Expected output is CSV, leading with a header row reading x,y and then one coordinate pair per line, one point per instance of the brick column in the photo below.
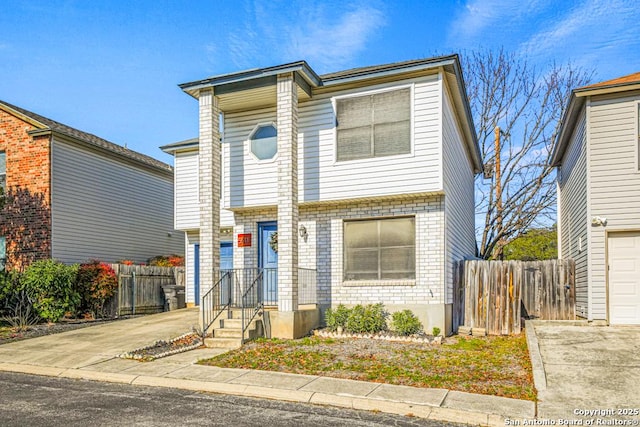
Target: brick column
x,y
209,170
287,117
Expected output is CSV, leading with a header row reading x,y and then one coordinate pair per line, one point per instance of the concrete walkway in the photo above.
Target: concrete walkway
x,y
92,353
587,368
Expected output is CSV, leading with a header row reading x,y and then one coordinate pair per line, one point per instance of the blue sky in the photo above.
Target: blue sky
x,y
112,67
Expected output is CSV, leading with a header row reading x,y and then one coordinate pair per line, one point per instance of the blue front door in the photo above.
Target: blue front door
x,y
268,261
196,273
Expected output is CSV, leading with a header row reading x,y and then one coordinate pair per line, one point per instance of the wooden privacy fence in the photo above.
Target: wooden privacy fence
x,y
489,296
140,288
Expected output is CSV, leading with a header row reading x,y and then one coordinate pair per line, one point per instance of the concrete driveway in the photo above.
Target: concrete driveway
x,y
89,346
588,368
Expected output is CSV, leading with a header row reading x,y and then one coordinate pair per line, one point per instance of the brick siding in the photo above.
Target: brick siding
x,y
26,217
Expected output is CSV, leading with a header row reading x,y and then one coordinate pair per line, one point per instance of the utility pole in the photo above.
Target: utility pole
x,y
498,253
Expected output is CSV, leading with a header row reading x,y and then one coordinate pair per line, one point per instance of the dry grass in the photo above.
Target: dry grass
x,y
489,365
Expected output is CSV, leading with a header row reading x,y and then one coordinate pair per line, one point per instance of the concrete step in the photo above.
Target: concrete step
x,y
227,333
230,343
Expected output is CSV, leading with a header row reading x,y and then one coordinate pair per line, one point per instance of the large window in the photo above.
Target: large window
x,y
373,125
380,249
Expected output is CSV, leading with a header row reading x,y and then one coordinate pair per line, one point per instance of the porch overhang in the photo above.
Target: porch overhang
x,y
256,87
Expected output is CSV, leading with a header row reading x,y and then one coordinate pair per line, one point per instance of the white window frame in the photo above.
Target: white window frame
x,y
379,278
4,153
249,139
334,104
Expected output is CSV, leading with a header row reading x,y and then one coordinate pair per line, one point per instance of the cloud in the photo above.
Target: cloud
x,y
333,45
491,18
596,33
329,35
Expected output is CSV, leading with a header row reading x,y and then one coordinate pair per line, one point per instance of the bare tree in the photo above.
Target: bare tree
x,y
527,105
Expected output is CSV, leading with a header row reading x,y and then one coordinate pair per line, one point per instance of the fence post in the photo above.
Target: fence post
x,y
133,293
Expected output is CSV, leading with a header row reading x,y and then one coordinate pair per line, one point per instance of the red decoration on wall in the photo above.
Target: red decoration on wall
x,y
244,240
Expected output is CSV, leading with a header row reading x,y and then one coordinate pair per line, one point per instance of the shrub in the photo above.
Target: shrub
x,y
51,285
337,318
405,322
371,318
167,261
435,331
97,282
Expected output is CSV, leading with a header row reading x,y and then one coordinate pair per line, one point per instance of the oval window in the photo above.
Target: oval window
x,y
264,144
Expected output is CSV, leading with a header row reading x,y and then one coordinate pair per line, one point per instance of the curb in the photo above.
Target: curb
x,y
451,409
539,374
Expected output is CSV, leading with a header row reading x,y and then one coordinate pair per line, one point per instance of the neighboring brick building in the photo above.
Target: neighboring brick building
x,y
70,195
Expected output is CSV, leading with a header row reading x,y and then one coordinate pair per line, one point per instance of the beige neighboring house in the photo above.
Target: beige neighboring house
x,y
73,196
353,187
597,155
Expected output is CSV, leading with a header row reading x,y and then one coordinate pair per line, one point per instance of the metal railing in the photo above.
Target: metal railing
x,y
250,290
252,302
217,299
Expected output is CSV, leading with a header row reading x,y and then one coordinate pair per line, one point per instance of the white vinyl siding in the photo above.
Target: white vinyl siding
x,y
459,204
320,178
248,181
107,209
187,206
614,180
373,125
572,180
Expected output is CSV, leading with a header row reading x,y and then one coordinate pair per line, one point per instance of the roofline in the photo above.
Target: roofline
x,y
600,90
168,170
390,70
181,145
576,103
477,156
300,67
22,116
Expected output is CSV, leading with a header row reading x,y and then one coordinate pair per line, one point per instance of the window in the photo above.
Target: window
x,y
264,144
3,172
374,125
3,253
379,249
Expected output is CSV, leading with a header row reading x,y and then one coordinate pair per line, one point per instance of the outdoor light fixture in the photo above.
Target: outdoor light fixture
x,y
303,232
596,221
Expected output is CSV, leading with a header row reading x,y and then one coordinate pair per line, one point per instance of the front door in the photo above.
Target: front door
x,y
196,273
268,260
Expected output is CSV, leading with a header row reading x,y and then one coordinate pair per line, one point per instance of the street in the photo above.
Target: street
x,y
47,401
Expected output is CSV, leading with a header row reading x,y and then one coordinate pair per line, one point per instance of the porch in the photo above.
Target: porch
x,y
240,297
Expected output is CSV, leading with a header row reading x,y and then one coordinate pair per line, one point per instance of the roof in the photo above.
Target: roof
x,y
46,124
255,80
180,145
576,103
617,82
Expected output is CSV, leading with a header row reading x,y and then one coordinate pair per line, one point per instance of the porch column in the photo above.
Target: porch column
x,y
287,118
209,171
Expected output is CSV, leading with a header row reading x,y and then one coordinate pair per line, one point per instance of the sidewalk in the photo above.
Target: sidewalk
x,y
91,353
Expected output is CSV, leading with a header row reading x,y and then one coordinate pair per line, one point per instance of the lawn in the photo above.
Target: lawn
x,y
489,365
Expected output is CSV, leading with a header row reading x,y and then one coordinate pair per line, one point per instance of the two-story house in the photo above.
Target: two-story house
x,y
73,196
597,155
353,187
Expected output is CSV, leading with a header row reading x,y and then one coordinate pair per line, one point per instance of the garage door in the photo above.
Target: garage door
x,y
624,278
